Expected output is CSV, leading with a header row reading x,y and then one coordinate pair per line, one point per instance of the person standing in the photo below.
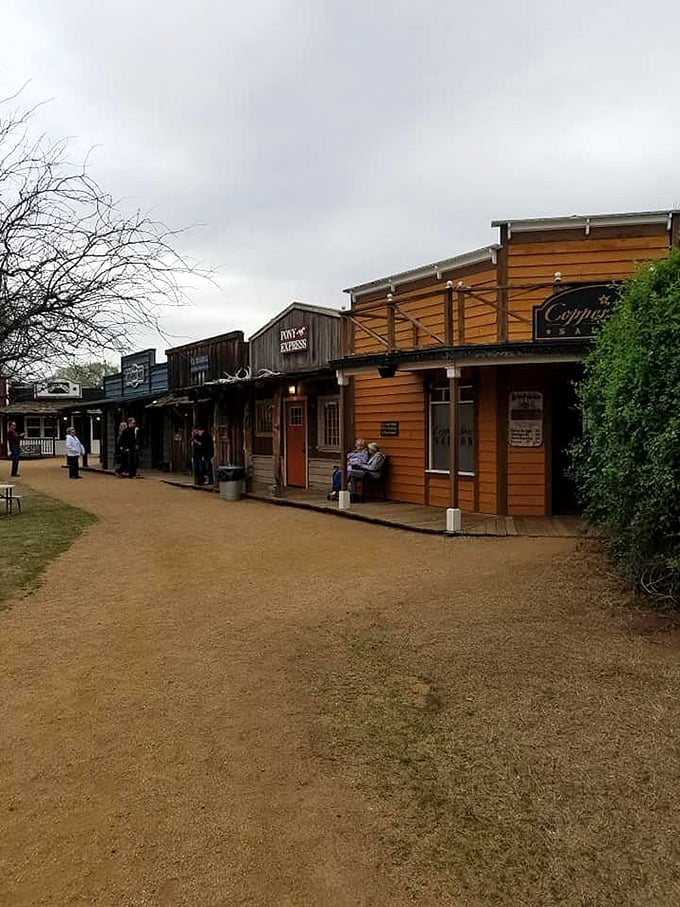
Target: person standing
x,y
14,443
207,453
129,442
74,449
119,456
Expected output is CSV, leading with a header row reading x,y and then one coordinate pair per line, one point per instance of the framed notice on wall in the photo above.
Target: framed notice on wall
x,y
525,419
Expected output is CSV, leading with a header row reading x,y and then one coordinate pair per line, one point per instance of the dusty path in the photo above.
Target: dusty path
x,y
154,744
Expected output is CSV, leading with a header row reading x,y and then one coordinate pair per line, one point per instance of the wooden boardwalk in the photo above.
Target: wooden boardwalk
x,y
421,518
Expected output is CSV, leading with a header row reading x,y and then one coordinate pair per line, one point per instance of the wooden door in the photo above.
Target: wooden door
x,y
296,443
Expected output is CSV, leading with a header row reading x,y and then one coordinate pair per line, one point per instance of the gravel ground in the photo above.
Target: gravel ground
x,y
157,743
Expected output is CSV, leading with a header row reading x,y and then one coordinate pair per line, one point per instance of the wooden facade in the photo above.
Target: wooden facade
x,y
293,417
467,327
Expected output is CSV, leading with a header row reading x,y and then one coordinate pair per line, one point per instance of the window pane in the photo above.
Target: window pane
x,y
466,437
330,423
32,427
439,436
263,417
50,428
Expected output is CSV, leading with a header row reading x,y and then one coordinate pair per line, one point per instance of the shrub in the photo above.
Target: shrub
x,y
628,463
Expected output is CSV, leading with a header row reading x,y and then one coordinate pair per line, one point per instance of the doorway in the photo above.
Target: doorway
x,y
566,429
296,443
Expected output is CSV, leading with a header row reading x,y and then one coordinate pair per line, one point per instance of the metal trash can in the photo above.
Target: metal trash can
x,y
232,482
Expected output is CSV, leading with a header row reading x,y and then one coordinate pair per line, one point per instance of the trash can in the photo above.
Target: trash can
x,y
232,481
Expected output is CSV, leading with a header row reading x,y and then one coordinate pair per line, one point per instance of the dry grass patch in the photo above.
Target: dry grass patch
x,y
31,539
527,753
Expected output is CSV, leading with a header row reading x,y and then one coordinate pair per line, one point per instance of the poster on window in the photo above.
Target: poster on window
x,y
525,419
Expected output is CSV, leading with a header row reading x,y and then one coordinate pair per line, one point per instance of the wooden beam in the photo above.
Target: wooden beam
x,y
461,317
277,438
419,324
501,293
501,442
369,331
346,423
448,314
391,324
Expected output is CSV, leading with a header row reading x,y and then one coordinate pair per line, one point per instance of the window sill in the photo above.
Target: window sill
x,y
445,472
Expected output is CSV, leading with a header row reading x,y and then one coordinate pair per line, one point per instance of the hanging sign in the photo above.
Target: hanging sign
x,y
525,417
294,340
573,313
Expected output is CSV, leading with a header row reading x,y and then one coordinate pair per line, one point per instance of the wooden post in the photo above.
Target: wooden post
x,y
277,438
391,324
453,374
501,442
345,422
461,314
502,292
248,413
448,313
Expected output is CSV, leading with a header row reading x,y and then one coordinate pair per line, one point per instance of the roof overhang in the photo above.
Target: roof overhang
x,y
586,222
436,269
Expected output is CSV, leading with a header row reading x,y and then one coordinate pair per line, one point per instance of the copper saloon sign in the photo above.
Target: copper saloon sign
x,y
573,313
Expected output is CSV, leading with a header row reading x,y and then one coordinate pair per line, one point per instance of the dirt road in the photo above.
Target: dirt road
x,y
157,729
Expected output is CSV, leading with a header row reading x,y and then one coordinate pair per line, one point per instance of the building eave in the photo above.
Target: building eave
x,y
436,269
586,222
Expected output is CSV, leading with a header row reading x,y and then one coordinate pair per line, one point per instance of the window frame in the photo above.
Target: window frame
x,y
466,397
322,403
259,404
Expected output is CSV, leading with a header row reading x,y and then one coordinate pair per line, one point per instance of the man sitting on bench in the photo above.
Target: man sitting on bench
x,y
371,471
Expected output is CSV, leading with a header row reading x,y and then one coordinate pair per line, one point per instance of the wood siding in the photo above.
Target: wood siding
x,y
227,353
526,466
324,343
400,399
262,470
321,473
579,259
487,440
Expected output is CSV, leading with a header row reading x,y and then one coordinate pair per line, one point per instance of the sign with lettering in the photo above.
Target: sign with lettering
x,y
525,419
134,375
389,429
294,340
57,387
573,313
199,364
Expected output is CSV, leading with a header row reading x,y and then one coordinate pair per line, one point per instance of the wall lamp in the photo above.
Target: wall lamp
x,y
292,389
388,368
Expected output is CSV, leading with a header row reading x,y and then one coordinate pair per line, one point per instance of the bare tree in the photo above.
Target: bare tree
x,y
76,271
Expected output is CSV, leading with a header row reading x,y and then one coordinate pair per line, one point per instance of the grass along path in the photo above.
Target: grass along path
x,y
29,540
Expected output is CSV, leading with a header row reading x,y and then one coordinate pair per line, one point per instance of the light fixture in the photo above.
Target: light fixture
x,y
388,368
292,389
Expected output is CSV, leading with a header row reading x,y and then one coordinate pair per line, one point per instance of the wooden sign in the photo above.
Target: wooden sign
x,y
389,429
294,340
525,419
573,313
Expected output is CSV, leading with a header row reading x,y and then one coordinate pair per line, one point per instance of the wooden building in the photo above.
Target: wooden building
x,y
206,390
486,348
132,392
292,431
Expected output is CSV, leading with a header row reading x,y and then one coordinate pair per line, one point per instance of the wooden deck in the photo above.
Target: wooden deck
x,y
420,518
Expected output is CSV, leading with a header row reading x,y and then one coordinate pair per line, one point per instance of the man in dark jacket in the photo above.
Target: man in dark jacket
x,y
129,445
14,444
202,453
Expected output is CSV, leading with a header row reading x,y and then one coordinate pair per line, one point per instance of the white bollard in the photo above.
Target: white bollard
x,y
454,519
344,499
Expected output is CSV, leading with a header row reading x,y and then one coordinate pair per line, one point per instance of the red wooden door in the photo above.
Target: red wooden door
x,y
296,444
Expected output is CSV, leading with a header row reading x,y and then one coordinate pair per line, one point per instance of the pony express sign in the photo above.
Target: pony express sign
x,y
573,313
294,340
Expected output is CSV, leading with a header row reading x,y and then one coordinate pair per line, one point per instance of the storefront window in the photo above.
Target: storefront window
x,y
33,426
263,417
439,434
329,423
49,427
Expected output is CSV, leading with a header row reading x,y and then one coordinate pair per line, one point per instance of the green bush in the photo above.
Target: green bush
x,y
628,463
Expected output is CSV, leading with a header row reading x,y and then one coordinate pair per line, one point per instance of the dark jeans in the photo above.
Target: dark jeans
x,y
72,467
132,462
203,471
14,454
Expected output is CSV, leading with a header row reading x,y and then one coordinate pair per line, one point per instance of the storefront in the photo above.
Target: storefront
x,y
206,391
130,393
45,409
292,430
487,348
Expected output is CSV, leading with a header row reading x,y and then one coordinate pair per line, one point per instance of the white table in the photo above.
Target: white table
x,y
7,495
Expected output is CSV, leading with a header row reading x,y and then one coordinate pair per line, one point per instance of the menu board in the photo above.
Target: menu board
x,y
525,418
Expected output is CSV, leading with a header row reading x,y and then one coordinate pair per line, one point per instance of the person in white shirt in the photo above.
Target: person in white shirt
x,y
74,449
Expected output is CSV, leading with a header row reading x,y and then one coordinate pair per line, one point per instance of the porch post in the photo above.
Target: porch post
x,y
277,440
453,514
345,435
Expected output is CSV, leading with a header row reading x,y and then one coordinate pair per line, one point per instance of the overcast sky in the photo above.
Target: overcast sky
x,y
316,145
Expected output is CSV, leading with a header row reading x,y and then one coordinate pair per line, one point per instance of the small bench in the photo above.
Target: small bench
x,y
370,486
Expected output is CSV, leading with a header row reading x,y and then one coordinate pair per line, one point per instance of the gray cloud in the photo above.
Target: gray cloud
x,y
318,145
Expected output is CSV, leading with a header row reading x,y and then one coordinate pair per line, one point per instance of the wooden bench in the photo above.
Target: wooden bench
x,y
373,487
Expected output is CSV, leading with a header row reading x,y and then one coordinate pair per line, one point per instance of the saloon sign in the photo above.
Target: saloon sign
x,y
573,313
134,375
294,340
